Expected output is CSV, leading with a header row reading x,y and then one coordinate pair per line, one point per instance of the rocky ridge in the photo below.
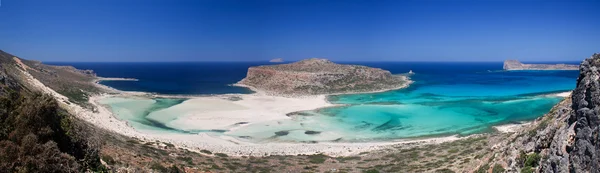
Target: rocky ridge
x,y
516,65
320,76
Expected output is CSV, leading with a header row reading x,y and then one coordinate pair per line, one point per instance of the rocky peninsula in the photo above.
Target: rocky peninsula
x,y
516,65
320,76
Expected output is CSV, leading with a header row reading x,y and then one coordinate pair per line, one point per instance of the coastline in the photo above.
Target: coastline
x,y
103,117
232,146
256,90
98,79
515,127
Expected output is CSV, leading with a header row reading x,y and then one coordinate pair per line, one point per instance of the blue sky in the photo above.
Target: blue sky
x,y
254,30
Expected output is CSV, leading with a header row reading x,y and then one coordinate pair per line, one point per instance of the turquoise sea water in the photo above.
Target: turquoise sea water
x,y
460,105
446,99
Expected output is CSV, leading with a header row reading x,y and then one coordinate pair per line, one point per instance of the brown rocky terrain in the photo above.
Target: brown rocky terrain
x,y
320,76
516,65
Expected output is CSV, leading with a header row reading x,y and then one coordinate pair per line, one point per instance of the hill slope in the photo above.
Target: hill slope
x,y
36,135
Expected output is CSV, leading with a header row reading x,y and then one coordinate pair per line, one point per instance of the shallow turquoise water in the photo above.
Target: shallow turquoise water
x,y
441,102
437,104
138,111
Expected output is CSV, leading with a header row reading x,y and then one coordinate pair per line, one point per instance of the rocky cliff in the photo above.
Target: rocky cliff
x,y
584,146
564,140
320,76
516,65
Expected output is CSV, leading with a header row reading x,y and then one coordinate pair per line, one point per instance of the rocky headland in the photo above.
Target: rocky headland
x,y
516,65
564,140
320,76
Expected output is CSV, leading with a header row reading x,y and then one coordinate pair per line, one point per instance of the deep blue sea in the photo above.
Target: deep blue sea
x,y
195,78
447,98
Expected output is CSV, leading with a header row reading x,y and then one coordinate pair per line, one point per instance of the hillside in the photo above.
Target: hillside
x,y
36,134
320,76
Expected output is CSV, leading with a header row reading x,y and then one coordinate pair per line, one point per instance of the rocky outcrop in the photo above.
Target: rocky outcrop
x,y
516,65
320,76
564,140
584,147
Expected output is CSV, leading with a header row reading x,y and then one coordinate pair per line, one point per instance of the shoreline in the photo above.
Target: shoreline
x,y
235,147
256,90
104,118
232,146
98,79
515,127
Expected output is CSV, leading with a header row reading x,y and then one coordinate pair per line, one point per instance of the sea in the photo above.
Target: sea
x,y
446,98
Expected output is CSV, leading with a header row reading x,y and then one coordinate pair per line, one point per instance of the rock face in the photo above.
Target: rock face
x,y
516,65
584,150
277,60
320,76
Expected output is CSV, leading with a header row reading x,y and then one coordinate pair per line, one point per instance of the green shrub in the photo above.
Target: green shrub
x,y
205,152
371,171
175,169
445,170
221,155
527,169
483,168
498,169
158,167
532,160
317,158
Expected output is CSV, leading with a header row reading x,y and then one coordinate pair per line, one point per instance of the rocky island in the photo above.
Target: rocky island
x,y
276,60
516,65
320,76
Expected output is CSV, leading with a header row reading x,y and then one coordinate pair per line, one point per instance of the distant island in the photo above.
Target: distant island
x,y
276,60
516,65
320,76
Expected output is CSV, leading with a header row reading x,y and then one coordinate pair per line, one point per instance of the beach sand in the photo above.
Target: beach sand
x,y
218,112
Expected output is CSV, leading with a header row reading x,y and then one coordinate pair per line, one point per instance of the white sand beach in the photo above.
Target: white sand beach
x,y
218,113
251,108
564,94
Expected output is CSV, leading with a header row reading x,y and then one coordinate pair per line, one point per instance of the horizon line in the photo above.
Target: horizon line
x,y
267,61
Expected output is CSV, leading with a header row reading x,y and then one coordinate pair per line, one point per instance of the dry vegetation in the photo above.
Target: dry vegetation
x,y
37,136
121,153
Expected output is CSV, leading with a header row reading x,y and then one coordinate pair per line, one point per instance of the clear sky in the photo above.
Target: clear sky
x,y
344,30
